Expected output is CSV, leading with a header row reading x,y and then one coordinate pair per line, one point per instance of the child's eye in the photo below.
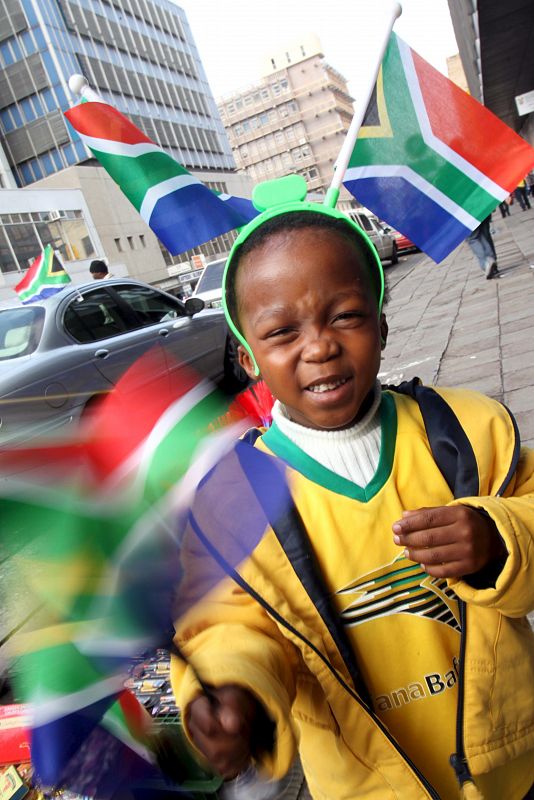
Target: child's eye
x,y
348,316
279,332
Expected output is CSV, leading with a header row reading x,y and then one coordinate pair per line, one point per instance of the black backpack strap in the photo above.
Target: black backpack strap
x,y
451,448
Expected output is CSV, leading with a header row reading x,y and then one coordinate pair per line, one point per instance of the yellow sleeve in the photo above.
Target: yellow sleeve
x,y
227,638
513,514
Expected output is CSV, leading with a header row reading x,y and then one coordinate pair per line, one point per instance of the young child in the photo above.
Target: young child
x,y
384,632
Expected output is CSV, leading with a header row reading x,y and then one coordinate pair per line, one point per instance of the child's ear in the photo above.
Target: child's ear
x,y
383,331
246,362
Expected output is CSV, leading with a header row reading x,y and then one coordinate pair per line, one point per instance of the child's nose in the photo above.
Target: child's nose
x,y
320,346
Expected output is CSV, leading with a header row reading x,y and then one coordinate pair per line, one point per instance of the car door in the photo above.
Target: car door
x,y
194,341
109,333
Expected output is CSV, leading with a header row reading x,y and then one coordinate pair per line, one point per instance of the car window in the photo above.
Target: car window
x,y
20,331
211,278
150,305
95,315
365,222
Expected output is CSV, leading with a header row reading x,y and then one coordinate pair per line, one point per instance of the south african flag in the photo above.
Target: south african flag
x,y
429,159
44,278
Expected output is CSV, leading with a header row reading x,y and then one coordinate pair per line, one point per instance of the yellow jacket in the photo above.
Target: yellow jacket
x,y
272,629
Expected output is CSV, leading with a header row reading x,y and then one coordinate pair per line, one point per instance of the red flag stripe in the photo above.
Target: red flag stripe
x,y
467,127
34,268
102,121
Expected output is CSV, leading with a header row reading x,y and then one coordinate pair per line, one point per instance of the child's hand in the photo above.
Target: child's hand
x,y
222,727
449,541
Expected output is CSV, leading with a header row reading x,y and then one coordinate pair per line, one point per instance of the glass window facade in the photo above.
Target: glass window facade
x,y
139,56
23,236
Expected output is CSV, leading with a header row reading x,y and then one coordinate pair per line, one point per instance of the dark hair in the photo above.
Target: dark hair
x,y
293,221
97,266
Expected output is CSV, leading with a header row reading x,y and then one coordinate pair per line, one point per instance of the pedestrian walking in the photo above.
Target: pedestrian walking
x,y
504,208
481,243
522,196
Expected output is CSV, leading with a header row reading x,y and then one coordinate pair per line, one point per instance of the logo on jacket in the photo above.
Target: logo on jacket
x,y
400,587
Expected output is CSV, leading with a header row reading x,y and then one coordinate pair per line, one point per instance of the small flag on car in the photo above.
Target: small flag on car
x,y
44,278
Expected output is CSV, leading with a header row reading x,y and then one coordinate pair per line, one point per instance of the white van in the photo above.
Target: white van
x,y
209,286
379,234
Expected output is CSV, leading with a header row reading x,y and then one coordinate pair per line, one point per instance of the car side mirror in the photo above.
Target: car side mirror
x,y
193,305
387,229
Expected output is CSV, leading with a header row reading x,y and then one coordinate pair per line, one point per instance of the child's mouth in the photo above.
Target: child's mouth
x,y
327,386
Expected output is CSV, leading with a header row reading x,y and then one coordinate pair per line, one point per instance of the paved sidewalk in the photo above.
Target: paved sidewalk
x,y
452,327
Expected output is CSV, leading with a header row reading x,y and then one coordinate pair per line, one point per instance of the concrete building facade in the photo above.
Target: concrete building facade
x,y
83,214
139,55
294,120
495,43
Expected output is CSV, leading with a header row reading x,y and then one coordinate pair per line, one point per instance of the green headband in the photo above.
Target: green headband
x,y
286,196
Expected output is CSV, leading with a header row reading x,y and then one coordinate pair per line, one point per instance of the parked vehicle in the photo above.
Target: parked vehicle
x,y
378,234
58,357
209,286
404,245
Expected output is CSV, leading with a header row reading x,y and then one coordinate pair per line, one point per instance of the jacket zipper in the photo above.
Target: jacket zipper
x,y
458,760
234,574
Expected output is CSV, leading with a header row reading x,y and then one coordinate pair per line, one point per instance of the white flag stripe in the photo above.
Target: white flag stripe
x,y
429,137
51,709
112,724
162,189
114,148
139,460
402,171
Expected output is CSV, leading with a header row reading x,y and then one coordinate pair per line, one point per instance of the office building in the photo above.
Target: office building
x,y
495,43
294,120
140,56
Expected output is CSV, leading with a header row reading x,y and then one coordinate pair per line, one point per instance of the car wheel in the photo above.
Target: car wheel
x,y
235,378
394,254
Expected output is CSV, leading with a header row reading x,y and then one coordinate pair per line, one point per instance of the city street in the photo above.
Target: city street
x,y
452,327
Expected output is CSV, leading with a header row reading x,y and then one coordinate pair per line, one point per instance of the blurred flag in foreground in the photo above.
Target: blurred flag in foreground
x,y
99,527
180,209
44,278
429,159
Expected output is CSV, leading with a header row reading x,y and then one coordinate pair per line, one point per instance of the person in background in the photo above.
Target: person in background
x,y
99,270
504,208
481,243
522,196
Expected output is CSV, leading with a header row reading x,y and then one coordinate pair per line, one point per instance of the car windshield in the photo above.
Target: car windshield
x,y
211,278
20,331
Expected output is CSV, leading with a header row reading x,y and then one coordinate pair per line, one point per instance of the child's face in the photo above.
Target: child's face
x,y
309,313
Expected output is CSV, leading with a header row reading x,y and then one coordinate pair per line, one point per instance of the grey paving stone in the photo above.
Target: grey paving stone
x,y
520,400
525,423
519,379
519,345
471,372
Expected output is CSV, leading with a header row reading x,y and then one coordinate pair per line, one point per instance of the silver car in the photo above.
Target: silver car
x,y
58,357
381,236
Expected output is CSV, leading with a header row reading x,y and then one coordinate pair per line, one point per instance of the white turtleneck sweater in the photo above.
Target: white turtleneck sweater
x,y
352,453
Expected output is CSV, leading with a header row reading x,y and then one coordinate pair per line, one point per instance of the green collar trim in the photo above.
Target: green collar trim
x,y
296,458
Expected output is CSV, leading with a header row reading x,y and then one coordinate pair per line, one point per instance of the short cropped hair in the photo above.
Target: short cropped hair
x,y
98,266
294,221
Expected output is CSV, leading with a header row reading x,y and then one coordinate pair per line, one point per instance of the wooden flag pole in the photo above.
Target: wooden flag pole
x,y
345,153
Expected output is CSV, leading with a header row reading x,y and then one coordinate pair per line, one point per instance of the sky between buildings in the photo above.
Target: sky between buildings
x,y
233,35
